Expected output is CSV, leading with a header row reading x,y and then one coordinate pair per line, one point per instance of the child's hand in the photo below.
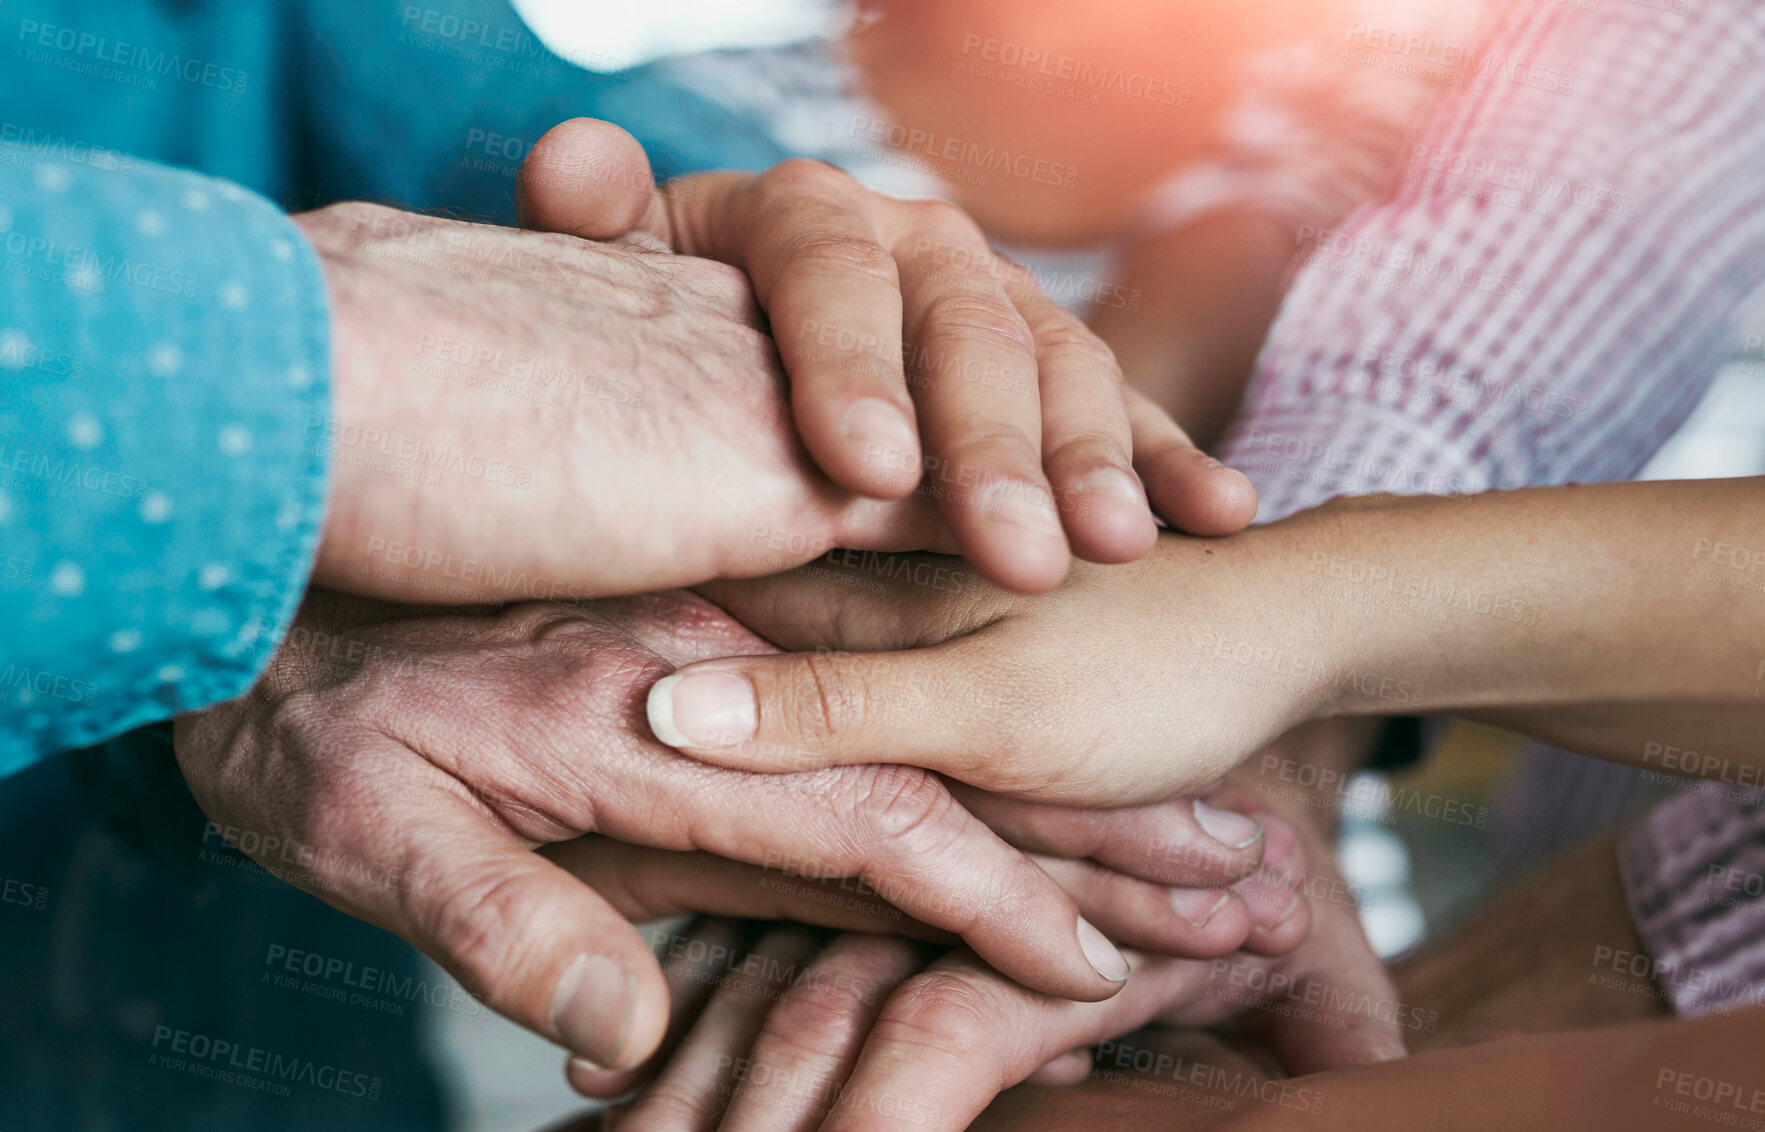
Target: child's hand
x,y
916,354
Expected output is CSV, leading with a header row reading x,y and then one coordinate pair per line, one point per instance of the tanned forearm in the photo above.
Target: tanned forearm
x,y
1623,620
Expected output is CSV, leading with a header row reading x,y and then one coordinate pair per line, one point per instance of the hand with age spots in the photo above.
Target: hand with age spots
x,y
453,742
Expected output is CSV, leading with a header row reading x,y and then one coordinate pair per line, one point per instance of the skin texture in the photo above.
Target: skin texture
x,y
403,763
1114,690
872,1017
913,348
666,454
1578,638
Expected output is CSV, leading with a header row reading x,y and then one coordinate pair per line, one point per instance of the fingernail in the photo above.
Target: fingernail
x,y
1112,482
1231,829
591,1009
1270,907
1198,905
1103,956
703,709
1022,504
880,424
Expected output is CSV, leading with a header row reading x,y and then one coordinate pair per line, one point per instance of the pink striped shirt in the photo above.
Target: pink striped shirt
x,y
1542,295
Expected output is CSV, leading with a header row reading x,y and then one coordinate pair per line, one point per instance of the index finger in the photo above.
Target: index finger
x,y
898,831
959,1033
832,291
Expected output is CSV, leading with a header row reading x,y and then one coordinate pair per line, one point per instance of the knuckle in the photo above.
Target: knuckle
x,y
947,223
965,315
1076,342
852,258
826,700
474,925
805,176
942,1011
999,446
823,1012
671,1103
900,803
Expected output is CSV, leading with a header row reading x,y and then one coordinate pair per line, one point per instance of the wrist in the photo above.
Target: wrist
x,y
1383,621
1306,582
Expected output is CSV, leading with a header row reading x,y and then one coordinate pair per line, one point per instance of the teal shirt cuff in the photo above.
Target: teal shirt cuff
x,y
165,357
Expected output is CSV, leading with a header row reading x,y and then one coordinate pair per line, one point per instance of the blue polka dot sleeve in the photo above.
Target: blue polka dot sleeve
x,y
163,350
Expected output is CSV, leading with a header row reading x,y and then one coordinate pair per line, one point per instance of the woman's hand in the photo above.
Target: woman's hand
x,y
915,352
1129,684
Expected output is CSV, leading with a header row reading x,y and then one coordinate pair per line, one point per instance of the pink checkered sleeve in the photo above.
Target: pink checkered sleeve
x,y
1543,298
1545,291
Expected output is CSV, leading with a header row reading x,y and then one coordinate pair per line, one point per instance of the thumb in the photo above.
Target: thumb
x,y
529,939
790,712
588,178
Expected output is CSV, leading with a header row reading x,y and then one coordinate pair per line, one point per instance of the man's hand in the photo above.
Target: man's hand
x,y
1131,683
781,1029
522,415
914,351
802,1030
1328,1003
403,763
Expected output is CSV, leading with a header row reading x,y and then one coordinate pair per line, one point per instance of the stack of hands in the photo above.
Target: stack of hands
x,y
976,817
